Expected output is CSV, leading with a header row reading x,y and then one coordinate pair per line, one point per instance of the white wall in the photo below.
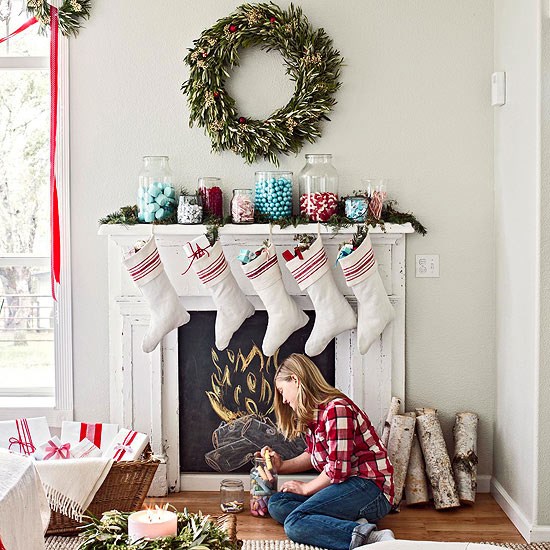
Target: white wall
x,y
414,107
517,247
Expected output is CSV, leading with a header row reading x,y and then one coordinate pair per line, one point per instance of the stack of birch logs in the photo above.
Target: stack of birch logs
x,y
417,450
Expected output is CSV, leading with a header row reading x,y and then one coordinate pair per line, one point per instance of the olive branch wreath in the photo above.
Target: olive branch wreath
x,y
70,14
310,60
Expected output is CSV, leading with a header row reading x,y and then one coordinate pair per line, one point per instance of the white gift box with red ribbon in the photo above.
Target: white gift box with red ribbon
x,y
101,435
85,449
127,445
53,449
24,435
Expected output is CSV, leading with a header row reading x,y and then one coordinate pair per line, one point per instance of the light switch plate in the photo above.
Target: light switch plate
x,y
498,88
427,265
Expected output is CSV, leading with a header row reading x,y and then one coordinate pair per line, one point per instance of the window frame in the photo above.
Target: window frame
x,y
63,408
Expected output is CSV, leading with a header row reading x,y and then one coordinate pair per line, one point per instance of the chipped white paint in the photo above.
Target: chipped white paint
x,y
144,387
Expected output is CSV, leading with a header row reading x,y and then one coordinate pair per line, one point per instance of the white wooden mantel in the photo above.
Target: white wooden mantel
x,y
144,387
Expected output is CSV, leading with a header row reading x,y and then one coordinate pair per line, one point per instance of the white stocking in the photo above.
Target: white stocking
x,y
167,312
284,316
333,314
373,305
232,306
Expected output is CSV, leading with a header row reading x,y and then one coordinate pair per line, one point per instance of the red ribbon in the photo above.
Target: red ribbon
x,y
55,452
24,26
195,254
23,439
54,206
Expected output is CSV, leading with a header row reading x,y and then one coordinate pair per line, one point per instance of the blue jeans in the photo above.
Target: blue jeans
x,y
328,518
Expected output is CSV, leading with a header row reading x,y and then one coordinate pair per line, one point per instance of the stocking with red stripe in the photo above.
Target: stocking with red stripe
x,y
373,305
167,313
284,316
333,314
211,267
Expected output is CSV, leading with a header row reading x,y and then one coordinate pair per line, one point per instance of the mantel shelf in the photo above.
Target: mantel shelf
x,y
233,229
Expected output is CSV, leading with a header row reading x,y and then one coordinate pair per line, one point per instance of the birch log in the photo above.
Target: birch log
x,y
394,409
416,485
438,464
425,410
399,450
465,456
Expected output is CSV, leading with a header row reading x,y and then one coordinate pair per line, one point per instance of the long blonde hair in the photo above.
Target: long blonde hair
x,y
313,390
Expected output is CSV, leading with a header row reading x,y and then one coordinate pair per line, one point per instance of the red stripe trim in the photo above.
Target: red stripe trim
x,y
304,266
211,271
83,431
361,272
151,268
144,263
127,441
316,268
357,266
221,268
262,269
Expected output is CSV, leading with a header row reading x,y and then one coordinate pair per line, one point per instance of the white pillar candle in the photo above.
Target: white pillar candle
x,y
152,524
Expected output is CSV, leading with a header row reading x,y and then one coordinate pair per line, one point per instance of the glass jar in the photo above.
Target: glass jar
x,y
263,484
318,182
356,208
190,209
273,194
231,496
212,197
242,206
377,192
156,193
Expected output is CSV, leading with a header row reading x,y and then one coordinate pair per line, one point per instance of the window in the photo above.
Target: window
x,y
35,336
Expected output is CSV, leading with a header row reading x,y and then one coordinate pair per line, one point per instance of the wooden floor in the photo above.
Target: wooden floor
x,y
485,521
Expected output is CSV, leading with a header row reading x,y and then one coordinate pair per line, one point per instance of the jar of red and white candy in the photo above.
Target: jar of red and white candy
x,y
242,206
318,181
212,196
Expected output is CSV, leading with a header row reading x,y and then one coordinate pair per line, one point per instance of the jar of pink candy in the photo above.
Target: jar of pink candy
x,y
318,182
242,206
212,197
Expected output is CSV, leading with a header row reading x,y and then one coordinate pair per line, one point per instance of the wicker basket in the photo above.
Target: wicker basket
x,y
124,489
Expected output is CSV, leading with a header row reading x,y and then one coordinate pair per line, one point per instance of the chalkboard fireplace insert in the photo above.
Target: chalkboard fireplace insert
x,y
144,388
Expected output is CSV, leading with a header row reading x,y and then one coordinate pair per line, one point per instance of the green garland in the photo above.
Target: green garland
x,y
195,531
70,13
310,61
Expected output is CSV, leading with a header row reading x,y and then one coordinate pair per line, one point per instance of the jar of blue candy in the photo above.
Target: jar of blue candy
x,y
356,208
273,194
156,193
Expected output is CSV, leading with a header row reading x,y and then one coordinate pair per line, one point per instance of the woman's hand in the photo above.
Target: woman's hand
x,y
275,458
293,486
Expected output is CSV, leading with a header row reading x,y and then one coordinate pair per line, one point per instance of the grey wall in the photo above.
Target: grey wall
x,y
414,107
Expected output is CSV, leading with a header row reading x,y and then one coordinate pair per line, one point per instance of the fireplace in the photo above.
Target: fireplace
x,y
145,389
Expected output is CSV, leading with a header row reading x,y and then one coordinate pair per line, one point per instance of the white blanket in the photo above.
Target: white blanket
x,y
71,484
426,545
24,510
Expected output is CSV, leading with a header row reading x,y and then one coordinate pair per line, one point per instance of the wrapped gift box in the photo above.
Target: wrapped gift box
x,y
24,435
85,449
53,449
127,445
101,435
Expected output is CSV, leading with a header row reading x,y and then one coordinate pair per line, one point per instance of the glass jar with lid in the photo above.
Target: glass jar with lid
x,y
156,193
273,194
212,196
263,484
318,181
190,209
242,206
231,496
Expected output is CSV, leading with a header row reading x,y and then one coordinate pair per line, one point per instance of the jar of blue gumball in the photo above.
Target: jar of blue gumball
x,y
156,193
273,194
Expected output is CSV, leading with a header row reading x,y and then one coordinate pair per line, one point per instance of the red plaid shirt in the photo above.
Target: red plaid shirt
x,y
342,443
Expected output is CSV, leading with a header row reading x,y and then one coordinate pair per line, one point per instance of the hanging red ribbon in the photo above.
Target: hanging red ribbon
x,y
24,26
54,207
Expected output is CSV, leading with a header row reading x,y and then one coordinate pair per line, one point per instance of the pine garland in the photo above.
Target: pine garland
x,y
70,14
310,61
195,531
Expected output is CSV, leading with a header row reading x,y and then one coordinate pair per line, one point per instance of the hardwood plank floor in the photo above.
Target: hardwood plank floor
x,y
485,521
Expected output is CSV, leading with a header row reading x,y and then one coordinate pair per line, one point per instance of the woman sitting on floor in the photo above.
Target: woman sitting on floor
x,y
354,489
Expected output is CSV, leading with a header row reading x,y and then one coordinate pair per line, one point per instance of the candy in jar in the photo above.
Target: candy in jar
x,y
273,194
212,196
242,206
263,484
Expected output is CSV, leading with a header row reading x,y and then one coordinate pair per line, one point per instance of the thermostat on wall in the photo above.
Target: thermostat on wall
x,y
498,88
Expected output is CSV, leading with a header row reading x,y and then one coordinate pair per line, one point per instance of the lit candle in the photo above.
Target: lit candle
x,y
152,524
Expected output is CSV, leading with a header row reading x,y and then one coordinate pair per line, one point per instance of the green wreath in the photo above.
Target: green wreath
x,y
310,60
70,13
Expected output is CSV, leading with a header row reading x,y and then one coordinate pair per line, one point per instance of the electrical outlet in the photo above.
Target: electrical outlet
x,y
427,265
